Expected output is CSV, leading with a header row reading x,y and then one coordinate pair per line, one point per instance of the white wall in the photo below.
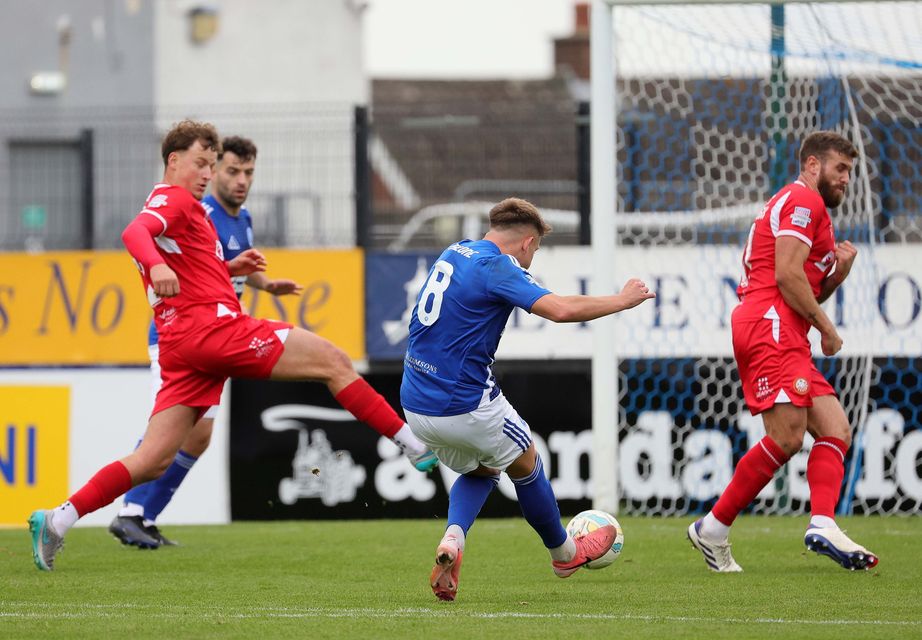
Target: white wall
x,y
108,412
286,73
274,51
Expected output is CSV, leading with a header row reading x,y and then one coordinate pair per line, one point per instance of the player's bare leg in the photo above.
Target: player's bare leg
x,y
134,524
165,433
785,425
307,356
828,424
195,444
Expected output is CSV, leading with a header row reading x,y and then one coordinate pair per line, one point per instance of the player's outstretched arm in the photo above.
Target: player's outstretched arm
x,y
584,308
247,262
277,287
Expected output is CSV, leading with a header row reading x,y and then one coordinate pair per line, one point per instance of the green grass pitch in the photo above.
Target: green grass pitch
x,y
370,580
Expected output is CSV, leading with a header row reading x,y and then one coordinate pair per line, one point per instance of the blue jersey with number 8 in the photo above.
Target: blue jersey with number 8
x,y
456,325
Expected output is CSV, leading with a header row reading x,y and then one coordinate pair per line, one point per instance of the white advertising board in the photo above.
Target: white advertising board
x,y
107,415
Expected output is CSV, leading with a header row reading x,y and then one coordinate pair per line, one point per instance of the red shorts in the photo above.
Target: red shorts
x,y
775,364
195,366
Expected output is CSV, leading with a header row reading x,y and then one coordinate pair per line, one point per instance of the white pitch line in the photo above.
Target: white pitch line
x,y
411,613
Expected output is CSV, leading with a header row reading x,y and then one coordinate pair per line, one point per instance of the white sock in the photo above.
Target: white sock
x,y
565,552
147,523
457,533
131,509
407,441
714,529
823,522
64,518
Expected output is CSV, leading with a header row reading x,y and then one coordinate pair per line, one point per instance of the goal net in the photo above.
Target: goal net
x,y
712,102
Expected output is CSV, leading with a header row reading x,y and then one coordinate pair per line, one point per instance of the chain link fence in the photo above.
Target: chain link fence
x,y
72,179
434,157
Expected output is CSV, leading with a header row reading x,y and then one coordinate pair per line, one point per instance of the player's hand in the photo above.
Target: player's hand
x,y
283,287
831,343
249,261
634,292
845,256
164,281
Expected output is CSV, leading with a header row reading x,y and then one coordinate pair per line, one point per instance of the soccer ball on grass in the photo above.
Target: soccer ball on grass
x,y
588,521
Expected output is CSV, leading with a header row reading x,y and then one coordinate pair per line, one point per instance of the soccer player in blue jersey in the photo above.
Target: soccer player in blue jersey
x,y
450,396
135,523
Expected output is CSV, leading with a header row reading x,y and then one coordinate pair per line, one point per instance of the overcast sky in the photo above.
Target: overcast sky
x,y
464,38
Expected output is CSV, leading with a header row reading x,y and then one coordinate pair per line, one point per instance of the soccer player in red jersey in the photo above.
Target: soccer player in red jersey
x,y
791,264
204,335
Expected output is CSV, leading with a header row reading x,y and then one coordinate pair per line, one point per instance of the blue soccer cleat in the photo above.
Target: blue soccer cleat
x,y
833,543
45,540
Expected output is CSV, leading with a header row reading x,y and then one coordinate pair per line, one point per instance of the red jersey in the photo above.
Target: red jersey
x,y
190,247
796,211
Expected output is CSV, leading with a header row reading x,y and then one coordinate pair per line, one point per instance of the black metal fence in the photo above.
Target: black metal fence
x,y
417,170
73,179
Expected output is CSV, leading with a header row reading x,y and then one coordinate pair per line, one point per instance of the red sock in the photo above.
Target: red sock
x,y
825,470
108,484
370,407
754,471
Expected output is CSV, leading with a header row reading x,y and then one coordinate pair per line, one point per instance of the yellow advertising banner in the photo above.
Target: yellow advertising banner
x,y
332,304
33,450
89,308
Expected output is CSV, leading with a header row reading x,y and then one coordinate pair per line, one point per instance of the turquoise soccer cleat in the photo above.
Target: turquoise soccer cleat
x,y
45,540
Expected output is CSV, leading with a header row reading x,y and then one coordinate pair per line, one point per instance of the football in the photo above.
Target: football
x,y
587,521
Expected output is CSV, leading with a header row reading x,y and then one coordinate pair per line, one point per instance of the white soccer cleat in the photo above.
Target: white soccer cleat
x,y
832,542
716,554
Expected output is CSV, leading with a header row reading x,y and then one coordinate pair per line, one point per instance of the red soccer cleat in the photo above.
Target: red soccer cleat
x,y
588,548
444,577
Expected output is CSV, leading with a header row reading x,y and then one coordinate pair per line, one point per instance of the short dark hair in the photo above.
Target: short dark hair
x,y
513,212
185,134
243,148
819,143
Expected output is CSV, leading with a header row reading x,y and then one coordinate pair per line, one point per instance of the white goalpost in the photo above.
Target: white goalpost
x,y
698,109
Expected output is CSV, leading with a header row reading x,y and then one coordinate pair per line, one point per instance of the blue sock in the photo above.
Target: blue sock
x,y
539,506
466,499
138,494
163,488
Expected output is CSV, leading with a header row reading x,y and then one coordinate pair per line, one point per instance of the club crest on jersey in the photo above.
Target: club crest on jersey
x,y
801,386
218,249
158,200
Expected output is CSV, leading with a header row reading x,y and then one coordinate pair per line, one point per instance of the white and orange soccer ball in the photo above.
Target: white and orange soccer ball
x,y
588,521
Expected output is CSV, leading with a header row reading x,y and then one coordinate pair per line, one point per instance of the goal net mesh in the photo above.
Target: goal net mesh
x,y
712,102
